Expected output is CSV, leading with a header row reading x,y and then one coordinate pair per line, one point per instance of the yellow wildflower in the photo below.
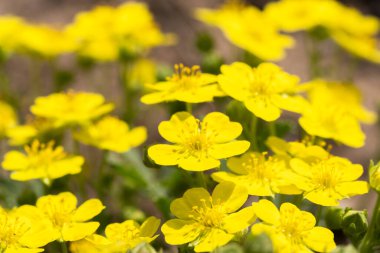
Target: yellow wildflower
x,y
122,237
70,108
86,246
113,134
264,90
198,145
332,122
248,28
105,31
187,85
260,175
41,161
346,97
69,222
326,181
143,71
9,39
21,233
208,222
8,118
44,41
290,229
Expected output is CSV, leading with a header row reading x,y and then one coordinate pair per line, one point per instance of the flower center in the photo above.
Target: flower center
x,y
326,175
186,78
11,230
198,141
208,215
42,155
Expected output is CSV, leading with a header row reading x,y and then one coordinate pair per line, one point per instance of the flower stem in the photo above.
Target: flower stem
x,y
64,247
189,108
254,121
318,214
367,244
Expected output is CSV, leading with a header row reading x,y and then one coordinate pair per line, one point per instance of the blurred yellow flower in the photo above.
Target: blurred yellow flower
x,y
44,41
290,229
332,122
113,134
9,39
22,233
260,175
326,181
71,108
198,145
69,222
105,33
143,71
345,96
248,28
187,85
264,90
208,222
354,31
122,237
8,118
41,161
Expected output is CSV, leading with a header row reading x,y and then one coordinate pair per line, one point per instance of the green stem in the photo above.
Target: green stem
x,y
318,214
202,179
367,244
130,110
254,121
64,247
189,108
272,128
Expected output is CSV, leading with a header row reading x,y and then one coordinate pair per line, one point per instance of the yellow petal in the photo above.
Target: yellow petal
x,y
164,154
64,200
220,124
195,197
348,189
181,209
225,150
266,211
198,163
320,239
302,220
88,210
240,220
263,108
76,231
212,239
178,231
230,196
149,227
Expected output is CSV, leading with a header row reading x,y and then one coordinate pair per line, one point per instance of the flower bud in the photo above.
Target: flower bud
x,y
374,176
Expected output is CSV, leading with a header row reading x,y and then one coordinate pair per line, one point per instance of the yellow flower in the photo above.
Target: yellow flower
x,y
326,181
332,122
8,118
208,222
264,90
105,31
44,41
290,229
198,145
143,71
70,108
69,222
346,97
363,47
9,39
187,85
22,233
41,161
113,134
248,28
122,237
86,246
260,175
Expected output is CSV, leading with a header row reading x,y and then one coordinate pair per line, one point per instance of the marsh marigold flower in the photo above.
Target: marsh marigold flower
x,y
113,134
198,145
21,233
248,28
264,90
208,222
41,161
261,175
290,229
71,108
326,181
68,222
122,237
186,85
8,118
